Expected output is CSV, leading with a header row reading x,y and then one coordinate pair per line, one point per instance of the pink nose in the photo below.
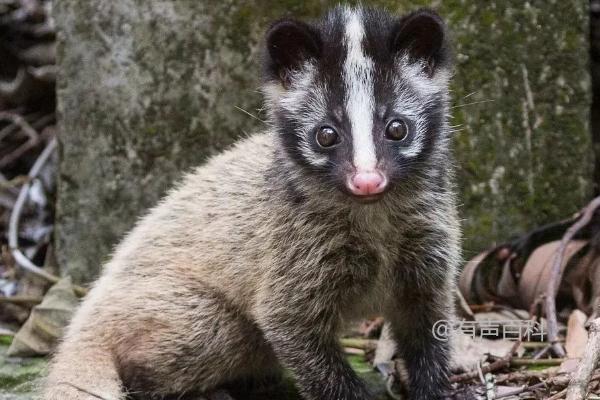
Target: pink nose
x,y
367,183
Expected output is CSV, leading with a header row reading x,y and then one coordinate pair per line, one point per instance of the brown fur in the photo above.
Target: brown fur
x,y
252,263
189,296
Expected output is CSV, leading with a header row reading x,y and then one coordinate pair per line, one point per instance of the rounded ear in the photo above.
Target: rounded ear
x,y
289,44
422,36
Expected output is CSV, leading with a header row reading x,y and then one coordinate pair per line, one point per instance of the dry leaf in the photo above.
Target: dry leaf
x,y
46,322
577,335
467,351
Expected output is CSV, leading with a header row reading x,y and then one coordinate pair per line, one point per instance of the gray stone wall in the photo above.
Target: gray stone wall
x,y
149,88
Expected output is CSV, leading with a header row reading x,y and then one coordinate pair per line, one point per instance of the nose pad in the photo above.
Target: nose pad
x,y
367,183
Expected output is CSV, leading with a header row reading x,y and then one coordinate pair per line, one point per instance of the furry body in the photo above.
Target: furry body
x,y
255,259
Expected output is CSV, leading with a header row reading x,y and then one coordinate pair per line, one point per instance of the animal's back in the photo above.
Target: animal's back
x,y
209,222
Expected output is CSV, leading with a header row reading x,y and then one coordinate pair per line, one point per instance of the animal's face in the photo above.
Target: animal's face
x,y
359,98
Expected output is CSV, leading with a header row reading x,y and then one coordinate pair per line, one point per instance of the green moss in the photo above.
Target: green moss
x,y
19,375
5,340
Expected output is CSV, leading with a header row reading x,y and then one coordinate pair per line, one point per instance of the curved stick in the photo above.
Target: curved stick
x,y
13,227
581,377
553,282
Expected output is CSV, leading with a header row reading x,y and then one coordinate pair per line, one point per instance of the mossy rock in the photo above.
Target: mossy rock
x,y
150,88
19,377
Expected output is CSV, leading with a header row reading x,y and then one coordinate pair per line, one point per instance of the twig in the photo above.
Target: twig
x,y
21,300
581,377
540,353
559,395
553,282
13,227
525,375
463,306
521,362
353,351
34,137
522,389
14,182
534,345
357,343
496,365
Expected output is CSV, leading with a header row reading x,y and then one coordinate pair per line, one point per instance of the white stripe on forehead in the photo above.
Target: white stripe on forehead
x,y
360,105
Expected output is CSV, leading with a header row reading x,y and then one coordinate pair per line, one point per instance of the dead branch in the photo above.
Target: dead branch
x,y
558,395
529,362
542,352
20,122
462,306
553,282
581,377
358,343
13,228
21,300
16,90
32,134
29,84
521,389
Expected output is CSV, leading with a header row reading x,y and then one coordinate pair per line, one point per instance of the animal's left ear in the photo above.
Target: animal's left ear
x,y
422,36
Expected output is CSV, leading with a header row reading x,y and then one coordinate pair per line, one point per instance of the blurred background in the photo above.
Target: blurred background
x,y
147,89
104,104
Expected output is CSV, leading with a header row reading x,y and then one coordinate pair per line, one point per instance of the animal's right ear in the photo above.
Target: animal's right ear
x,y
422,36
290,44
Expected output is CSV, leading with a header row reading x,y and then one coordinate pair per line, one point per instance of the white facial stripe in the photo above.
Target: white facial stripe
x,y
358,78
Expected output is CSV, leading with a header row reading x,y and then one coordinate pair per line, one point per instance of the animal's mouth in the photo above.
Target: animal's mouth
x,y
367,199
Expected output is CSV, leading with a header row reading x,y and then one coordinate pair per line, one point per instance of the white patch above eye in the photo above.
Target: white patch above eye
x,y
360,103
303,102
412,103
424,85
409,105
291,99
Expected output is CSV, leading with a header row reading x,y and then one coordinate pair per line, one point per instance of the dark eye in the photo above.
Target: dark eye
x,y
326,136
396,130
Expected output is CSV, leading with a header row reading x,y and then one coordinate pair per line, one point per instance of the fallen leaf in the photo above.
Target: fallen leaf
x,y
577,335
467,351
569,366
46,323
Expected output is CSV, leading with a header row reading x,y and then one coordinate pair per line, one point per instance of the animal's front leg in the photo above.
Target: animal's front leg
x,y
300,325
423,296
426,357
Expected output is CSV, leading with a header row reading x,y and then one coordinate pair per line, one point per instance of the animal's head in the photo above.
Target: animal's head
x,y
359,98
